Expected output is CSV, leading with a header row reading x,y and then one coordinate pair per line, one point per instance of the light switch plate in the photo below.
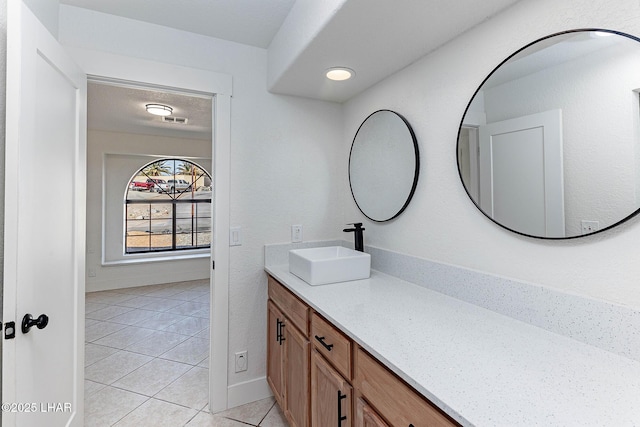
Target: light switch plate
x,y
235,236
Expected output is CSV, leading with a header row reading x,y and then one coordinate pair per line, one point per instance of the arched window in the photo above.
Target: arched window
x,y
168,208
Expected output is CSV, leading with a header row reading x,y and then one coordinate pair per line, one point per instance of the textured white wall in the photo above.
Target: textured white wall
x,y
441,223
130,150
289,158
283,157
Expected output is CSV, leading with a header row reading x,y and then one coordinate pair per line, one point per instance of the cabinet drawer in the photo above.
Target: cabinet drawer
x,y
332,344
292,307
396,402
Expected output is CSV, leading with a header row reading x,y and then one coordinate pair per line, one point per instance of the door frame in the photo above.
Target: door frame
x,y
552,166
106,66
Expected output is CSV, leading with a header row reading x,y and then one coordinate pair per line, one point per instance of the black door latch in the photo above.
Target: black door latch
x,y
9,330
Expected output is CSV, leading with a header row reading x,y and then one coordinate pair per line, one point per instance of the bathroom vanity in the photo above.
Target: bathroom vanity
x,y
321,376
423,343
383,351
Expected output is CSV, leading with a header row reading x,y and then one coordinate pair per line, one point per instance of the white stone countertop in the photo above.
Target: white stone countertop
x,y
480,367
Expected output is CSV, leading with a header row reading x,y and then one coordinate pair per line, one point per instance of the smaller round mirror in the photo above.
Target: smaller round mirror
x,y
383,165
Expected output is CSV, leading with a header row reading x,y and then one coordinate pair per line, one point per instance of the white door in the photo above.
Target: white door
x,y
521,177
42,369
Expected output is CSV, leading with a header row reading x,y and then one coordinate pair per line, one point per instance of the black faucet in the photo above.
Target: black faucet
x,y
357,230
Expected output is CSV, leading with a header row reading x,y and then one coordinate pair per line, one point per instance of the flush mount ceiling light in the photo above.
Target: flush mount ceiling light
x,y
340,73
159,109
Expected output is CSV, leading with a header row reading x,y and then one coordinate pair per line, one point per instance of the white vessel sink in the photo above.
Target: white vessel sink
x,y
331,264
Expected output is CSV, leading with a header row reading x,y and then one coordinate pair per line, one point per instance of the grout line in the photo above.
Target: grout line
x,y
265,415
181,317
237,421
127,414
191,419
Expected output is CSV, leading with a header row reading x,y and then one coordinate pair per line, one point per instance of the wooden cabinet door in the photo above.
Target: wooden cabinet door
x,y
275,352
296,376
331,395
367,417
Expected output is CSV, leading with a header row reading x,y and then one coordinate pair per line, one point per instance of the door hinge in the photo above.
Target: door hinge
x,y
213,265
9,330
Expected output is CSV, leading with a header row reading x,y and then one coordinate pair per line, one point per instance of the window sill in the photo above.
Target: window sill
x,y
150,258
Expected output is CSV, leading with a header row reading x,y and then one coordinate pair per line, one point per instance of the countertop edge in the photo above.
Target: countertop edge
x,y
275,272
477,366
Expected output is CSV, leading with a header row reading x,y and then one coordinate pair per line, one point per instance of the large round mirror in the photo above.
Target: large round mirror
x,y
549,145
383,165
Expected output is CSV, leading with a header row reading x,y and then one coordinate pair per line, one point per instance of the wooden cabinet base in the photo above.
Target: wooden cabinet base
x,y
288,352
330,395
392,398
367,417
275,353
313,386
296,378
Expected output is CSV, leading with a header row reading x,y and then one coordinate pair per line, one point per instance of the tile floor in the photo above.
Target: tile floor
x,y
146,360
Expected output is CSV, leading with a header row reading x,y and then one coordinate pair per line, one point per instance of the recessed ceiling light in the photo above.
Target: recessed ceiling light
x,y
340,73
159,109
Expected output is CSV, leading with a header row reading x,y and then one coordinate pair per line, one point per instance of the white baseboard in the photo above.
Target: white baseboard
x,y
248,391
149,279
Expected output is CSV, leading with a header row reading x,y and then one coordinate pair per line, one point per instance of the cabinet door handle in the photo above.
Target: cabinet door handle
x,y
341,417
282,338
324,344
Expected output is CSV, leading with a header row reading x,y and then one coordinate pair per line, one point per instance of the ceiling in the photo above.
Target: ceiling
x,y
251,22
122,109
376,38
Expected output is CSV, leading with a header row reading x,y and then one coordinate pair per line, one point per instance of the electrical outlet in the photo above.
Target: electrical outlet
x,y
92,272
296,233
589,227
241,361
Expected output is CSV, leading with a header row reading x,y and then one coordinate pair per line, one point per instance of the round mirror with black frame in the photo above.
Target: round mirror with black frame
x,y
383,165
549,145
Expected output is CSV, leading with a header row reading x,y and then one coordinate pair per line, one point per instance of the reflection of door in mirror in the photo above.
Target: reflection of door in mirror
x,y
594,81
468,160
520,170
